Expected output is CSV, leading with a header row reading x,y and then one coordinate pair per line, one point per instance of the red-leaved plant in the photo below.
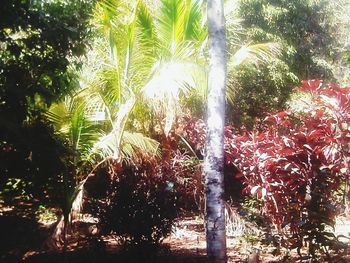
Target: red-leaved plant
x,y
297,163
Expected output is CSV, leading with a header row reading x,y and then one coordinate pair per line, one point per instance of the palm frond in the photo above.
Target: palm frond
x,y
71,122
77,121
147,31
134,142
179,22
251,54
131,145
105,147
171,24
119,123
146,47
102,95
255,54
171,82
57,115
108,15
193,20
110,144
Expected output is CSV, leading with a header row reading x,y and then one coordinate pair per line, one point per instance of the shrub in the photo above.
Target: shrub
x,y
294,163
140,206
297,163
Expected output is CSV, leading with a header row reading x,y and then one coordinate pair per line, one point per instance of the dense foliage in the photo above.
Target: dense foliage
x,y
140,205
139,201
303,29
133,105
297,162
41,43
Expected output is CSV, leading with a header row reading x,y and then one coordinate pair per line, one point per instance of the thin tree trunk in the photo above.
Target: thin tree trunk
x,y
214,157
65,241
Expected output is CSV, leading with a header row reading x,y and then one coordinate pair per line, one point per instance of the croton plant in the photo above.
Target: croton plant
x,y
295,162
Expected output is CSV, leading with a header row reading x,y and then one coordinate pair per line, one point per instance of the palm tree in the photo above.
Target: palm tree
x,y
74,122
142,58
188,66
155,59
214,156
141,49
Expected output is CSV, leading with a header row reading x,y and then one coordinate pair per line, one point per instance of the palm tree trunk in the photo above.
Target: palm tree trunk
x,y
214,157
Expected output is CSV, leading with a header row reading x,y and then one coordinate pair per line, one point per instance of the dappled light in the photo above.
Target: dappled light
x,y
174,131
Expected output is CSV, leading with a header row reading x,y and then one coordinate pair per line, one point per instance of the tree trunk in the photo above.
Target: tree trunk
x,y
214,156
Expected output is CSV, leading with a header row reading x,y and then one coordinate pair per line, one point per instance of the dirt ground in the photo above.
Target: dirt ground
x,y
24,236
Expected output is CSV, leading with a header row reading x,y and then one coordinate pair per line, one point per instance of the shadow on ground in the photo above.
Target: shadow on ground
x,y
22,238
90,256
18,235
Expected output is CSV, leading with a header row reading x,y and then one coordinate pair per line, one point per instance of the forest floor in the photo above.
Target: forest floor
x,y
26,226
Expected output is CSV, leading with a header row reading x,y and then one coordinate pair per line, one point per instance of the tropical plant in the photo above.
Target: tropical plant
x,y
142,57
73,124
155,57
297,163
138,50
294,164
164,54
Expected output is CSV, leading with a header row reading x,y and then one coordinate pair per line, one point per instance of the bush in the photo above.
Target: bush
x,y
296,164
140,207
